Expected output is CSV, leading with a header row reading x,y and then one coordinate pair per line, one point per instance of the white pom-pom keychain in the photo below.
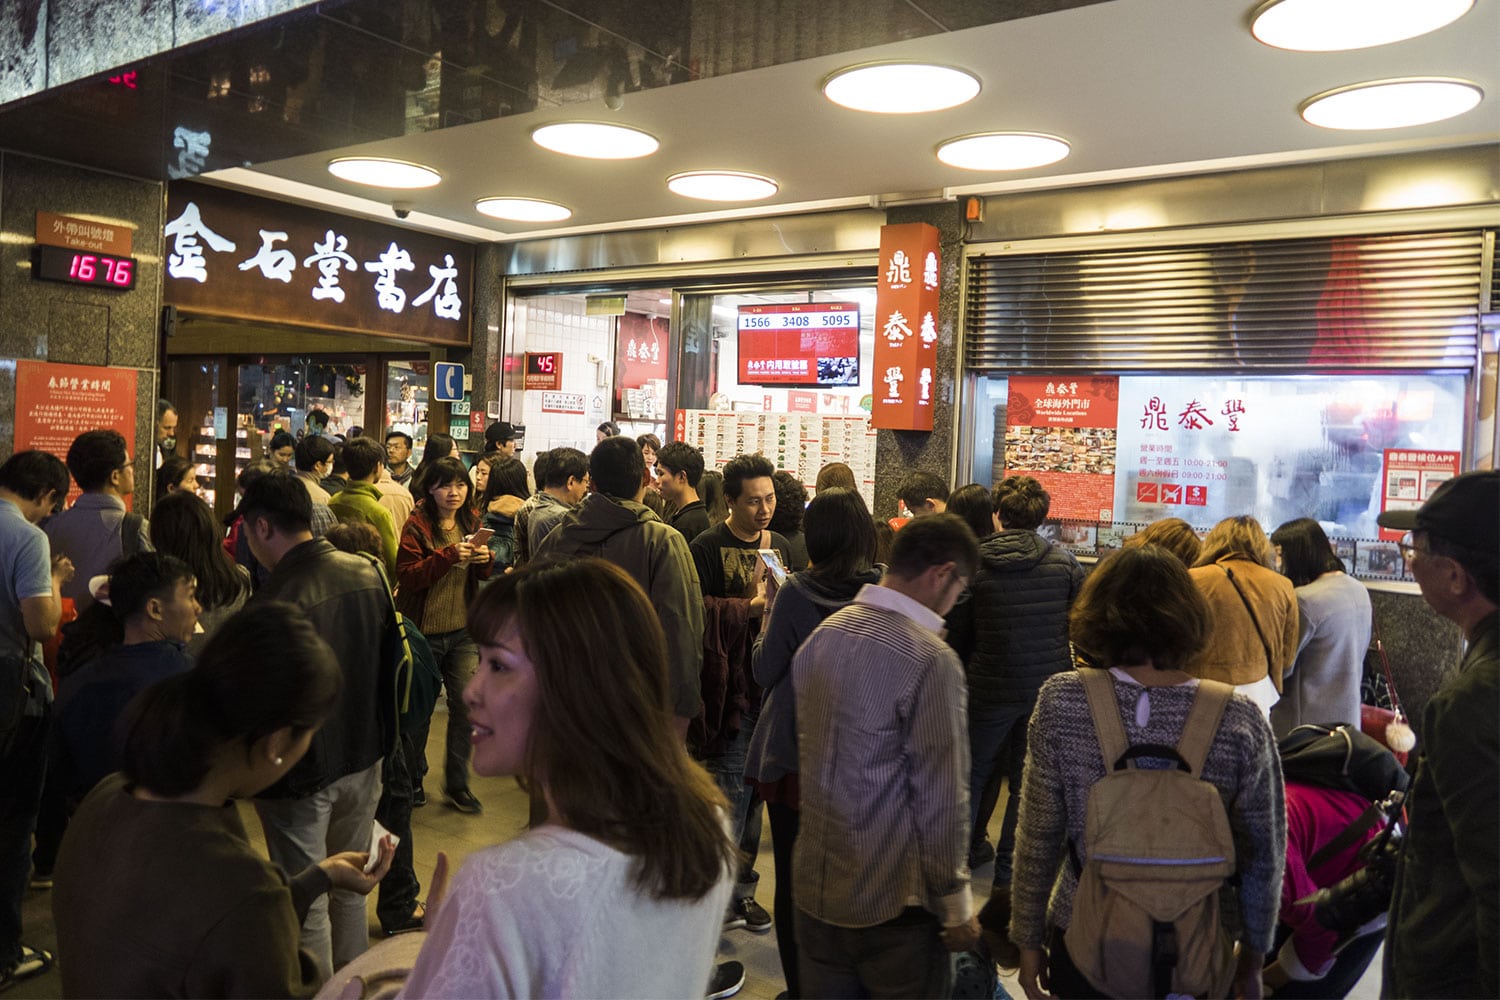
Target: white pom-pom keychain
x,y
1399,736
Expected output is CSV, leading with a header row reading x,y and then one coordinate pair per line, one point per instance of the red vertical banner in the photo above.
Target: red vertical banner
x,y
55,403
906,312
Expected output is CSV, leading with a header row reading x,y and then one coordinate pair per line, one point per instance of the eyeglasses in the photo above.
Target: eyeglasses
x,y
1408,547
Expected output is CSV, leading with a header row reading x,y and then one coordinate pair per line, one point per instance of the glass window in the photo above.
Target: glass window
x,y
406,390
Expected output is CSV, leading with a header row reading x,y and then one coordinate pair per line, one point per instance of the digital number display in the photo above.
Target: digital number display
x,y
542,364
544,371
804,343
82,267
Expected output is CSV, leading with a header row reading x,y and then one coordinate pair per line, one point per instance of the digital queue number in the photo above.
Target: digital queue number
x,y
81,267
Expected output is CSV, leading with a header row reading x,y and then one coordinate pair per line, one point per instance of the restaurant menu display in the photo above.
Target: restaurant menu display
x,y
800,443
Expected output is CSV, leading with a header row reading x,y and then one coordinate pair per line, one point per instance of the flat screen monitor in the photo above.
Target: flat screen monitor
x,y
801,344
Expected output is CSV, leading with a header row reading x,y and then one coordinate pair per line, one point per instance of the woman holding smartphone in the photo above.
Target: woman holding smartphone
x,y
439,570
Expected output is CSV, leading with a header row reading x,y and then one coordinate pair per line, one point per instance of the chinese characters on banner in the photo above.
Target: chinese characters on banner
x,y
235,255
802,343
1409,476
55,403
1176,434
906,310
1062,432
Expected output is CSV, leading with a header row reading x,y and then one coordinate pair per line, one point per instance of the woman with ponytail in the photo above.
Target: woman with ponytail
x,y
159,892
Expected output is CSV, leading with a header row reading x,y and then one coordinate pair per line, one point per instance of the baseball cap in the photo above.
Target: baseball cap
x,y
1465,510
500,432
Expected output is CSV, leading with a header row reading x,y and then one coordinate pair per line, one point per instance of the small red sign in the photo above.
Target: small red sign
x,y
544,371
1148,492
83,234
476,422
1171,493
57,402
1197,496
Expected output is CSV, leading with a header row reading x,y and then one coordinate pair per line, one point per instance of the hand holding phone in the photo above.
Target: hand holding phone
x,y
480,537
772,560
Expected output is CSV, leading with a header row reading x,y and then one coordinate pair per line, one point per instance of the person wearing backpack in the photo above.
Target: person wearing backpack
x,y
1148,794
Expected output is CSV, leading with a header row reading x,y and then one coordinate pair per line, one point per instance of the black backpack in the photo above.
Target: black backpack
x,y
1341,757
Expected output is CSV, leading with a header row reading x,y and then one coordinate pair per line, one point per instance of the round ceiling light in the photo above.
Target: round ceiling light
x,y
1003,150
595,140
380,171
722,185
900,88
1337,25
523,209
1391,103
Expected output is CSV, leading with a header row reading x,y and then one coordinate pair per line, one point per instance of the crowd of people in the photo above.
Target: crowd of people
x,y
663,655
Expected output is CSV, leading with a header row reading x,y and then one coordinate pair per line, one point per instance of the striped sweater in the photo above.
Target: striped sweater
x,y
1063,762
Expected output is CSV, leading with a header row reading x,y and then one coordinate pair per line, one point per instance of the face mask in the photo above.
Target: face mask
x,y
170,444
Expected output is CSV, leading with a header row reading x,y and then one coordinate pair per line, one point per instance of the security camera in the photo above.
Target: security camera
x,y
401,208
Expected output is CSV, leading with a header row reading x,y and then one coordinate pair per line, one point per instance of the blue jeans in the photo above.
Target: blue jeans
x,y
456,656
997,748
22,771
728,770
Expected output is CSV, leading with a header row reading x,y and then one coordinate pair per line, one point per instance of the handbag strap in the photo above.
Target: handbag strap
x,y
1385,664
1270,664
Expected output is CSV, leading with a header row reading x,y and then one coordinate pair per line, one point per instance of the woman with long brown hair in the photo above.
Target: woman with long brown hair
x,y
621,888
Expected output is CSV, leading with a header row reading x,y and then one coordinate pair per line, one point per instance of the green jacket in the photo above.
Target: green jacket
x,y
361,502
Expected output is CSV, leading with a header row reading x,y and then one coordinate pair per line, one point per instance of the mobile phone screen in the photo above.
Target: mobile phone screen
x,y
480,537
772,559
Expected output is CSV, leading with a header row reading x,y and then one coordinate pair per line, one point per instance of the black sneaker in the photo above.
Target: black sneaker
x,y
418,797
981,853
41,880
727,980
464,801
749,914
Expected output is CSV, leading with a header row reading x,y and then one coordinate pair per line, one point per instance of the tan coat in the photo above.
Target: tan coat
x,y
1235,653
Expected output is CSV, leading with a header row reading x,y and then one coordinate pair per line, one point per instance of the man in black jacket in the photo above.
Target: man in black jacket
x,y
1012,634
326,804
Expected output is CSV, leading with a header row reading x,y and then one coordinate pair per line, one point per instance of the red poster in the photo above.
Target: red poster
x,y
798,401
906,309
56,403
642,350
1062,432
1409,476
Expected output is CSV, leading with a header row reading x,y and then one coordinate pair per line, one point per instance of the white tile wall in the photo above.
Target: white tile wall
x,y
558,323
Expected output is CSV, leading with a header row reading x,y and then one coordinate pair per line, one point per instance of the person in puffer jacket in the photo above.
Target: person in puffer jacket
x,y
1012,634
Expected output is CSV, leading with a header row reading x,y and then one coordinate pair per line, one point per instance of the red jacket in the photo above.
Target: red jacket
x,y
420,564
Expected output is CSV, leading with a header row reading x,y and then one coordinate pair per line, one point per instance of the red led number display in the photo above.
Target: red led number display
x,y
83,268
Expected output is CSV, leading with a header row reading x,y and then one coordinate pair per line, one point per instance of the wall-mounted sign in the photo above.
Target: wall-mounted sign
x,y
56,403
562,402
805,343
1409,476
234,255
1063,432
447,382
906,309
83,267
69,231
544,370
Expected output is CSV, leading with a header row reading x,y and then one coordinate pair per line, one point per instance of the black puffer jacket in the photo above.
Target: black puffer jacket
x,y
1011,631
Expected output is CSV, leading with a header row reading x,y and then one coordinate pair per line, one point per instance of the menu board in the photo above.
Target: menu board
x,y
799,443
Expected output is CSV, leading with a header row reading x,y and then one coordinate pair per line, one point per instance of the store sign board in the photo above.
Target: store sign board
x,y
562,402
906,309
1062,431
235,255
70,231
1409,476
544,370
55,403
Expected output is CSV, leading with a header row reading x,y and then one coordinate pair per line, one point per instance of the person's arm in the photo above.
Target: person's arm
x,y
678,602
1042,831
1290,627
1257,819
40,579
771,655
483,942
253,951
938,748
418,567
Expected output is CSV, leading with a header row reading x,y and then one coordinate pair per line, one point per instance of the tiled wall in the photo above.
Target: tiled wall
x,y
558,323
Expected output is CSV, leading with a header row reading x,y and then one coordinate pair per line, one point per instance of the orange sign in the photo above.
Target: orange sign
x,y
55,230
56,403
906,311
1062,431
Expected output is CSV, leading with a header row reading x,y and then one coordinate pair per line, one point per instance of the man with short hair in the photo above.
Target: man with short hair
x,y
563,490
679,469
338,476
398,445
166,430
881,883
326,803
360,499
521,555
614,525
32,485
97,530
154,597
923,493
502,438
313,458
1443,936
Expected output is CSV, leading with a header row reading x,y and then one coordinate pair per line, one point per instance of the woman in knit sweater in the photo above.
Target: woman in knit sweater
x,y
1140,616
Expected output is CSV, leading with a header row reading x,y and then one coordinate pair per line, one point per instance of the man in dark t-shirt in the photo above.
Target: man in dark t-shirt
x,y
679,467
732,575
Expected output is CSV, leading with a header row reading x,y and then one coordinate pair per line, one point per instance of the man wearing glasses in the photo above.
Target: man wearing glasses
x,y
97,529
1443,938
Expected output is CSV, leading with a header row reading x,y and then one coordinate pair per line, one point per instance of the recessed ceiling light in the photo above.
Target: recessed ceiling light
x,y
523,209
900,88
1336,25
595,140
380,171
721,185
1003,150
1391,103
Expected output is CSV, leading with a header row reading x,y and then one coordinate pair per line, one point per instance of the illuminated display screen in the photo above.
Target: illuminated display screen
x,y
806,343
83,267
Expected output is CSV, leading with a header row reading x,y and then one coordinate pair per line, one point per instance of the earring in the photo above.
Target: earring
x,y
276,761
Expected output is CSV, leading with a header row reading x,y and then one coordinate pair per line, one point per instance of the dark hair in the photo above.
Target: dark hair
x,y
916,488
711,492
1173,534
264,669
95,455
362,456
33,474
354,432
609,428
279,498
441,473
885,536
1140,603
791,503
539,466
743,467
137,579
1305,551
319,416
932,541
507,479
163,407
402,435
649,441
311,451
564,464
356,537
617,466
438,447
338,459
834,474
679,456
1021,502
182,525
641,793
170,474
840,534
283,439
1482,567
972,503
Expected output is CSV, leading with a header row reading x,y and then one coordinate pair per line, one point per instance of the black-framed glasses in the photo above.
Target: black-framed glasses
x,y
1408,547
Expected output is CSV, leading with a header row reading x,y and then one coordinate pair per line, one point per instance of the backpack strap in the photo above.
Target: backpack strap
x,y
1202,723
1099,686
130,534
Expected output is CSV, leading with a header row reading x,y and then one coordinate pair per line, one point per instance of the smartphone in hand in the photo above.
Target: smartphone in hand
x,y
480,537
773,562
